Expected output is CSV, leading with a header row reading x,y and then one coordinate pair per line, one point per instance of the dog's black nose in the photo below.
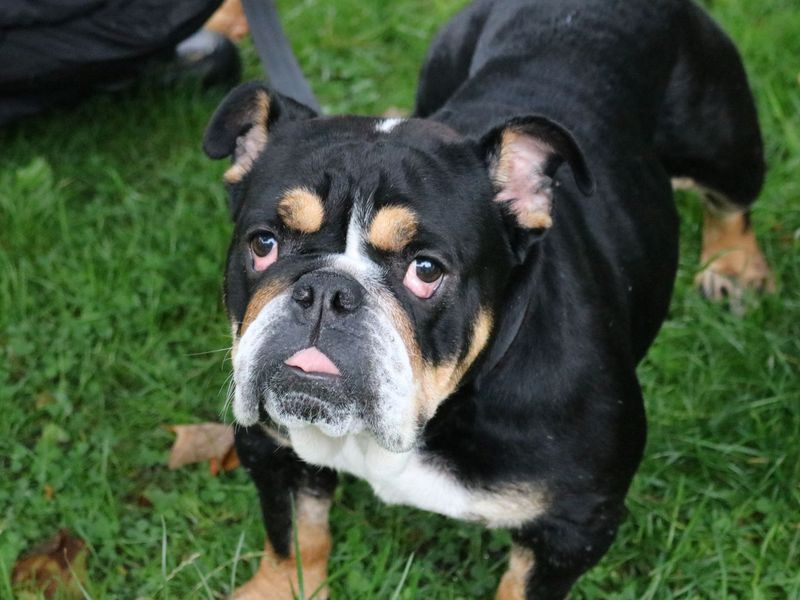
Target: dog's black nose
x,y
330,292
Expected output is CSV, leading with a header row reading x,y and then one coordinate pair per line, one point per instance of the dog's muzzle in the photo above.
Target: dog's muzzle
x,y
326,354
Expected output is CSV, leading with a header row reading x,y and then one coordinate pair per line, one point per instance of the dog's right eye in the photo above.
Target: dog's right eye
x,y
263,250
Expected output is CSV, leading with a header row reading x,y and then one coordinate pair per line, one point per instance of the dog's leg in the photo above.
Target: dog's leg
x,y
708,137
550,553
515,579
731,259
284,481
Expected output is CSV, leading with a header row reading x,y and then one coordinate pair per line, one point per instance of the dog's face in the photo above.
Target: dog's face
x,y
368,262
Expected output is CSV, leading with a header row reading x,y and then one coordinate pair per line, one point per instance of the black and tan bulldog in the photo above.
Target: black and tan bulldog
x,y
452,306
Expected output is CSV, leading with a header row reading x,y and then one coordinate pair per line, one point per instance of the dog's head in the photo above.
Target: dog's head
x,y
370,257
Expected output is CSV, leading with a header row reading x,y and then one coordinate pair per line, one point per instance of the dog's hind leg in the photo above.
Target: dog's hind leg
x,y
731,260
708,138
286,487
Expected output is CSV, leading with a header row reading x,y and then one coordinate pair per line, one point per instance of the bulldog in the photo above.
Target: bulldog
x,y
452,306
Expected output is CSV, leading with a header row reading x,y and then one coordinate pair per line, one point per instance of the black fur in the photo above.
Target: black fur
x,y
637,92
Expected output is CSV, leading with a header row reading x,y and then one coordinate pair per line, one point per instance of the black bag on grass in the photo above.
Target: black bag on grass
x,y
57,51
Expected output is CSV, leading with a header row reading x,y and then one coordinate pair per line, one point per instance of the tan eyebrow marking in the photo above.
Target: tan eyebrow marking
x,y
392,228
301,210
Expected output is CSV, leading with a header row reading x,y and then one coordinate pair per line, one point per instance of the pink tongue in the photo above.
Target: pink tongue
x,y
311,360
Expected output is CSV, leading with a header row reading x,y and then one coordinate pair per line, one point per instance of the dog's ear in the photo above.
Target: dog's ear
x,y
522,157
241,124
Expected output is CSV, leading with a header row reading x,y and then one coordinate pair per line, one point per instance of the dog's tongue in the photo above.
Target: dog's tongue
x,y
311,360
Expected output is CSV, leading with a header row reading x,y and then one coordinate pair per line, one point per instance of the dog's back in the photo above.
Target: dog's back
x,y
651,91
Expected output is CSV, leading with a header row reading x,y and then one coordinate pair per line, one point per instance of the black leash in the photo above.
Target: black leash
x,y
275,51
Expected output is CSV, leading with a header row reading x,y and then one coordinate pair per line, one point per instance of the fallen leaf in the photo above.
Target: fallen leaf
x,y
228,463
49,492
56,565
203,441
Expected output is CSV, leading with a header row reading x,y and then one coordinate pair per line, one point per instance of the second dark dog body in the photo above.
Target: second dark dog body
x,y
452,307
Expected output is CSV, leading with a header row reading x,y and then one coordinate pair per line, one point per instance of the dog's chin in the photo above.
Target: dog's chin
x,y
292,400
294,411
297,409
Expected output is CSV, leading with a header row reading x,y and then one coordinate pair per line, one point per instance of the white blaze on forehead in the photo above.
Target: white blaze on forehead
x,y
354,259
354,244
386,125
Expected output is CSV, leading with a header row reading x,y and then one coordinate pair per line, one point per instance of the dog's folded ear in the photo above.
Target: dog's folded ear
x,y
240,126
522,157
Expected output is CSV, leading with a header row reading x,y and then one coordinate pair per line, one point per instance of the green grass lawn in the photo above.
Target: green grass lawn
x,y
113,231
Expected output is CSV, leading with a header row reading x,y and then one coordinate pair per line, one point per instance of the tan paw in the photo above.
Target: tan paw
x,y
734,262
280,584
718,281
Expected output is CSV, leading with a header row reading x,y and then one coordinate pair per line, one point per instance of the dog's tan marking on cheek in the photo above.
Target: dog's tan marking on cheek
x,y
392,228
512,585
260,299
276,577
437,382
301,210
250,145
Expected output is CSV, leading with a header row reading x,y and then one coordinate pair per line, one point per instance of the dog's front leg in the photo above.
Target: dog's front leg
x,y
284,481
550,553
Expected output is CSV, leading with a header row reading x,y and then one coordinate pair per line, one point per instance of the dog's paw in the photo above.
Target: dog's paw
x,y
265,587
278,580
734,264
730,276
250,591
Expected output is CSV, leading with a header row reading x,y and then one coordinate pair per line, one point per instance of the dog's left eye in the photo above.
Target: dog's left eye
x,y
423,277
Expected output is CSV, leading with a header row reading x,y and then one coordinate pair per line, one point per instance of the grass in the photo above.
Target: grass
x,y
113,229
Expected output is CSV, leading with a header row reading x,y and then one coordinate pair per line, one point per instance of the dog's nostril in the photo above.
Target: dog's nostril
x,y
303,295
347,298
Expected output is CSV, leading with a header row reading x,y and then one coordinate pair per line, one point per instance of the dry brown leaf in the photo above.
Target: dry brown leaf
x,y
229,462
56,565
200,442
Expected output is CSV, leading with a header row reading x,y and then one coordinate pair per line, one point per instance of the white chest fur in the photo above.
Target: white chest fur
x,y
404,478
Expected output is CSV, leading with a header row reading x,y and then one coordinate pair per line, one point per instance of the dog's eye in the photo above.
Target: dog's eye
x,y
264,250
423,277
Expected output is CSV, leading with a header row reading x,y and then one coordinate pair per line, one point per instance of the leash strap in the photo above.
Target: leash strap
x,y
275,51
